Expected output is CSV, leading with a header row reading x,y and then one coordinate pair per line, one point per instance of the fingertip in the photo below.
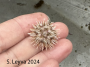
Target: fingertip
x,y
67,44
62,29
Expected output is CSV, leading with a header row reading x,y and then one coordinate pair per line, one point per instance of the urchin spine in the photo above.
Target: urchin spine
x,y
43,35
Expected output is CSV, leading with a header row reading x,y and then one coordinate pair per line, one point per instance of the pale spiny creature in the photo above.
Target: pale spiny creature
x,y
43,35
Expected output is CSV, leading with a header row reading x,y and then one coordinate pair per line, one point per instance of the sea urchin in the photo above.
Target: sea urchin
x,y
43,35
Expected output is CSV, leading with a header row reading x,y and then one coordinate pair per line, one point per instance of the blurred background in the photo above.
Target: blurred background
x,y
74,13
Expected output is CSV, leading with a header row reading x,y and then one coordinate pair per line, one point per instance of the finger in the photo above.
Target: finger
x,y
24,50
49,63
59,53
14,30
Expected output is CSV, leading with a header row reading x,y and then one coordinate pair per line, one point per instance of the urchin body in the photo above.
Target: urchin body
x,y
43,35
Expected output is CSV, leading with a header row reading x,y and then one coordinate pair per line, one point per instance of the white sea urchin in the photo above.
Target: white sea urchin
x,y
43,35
